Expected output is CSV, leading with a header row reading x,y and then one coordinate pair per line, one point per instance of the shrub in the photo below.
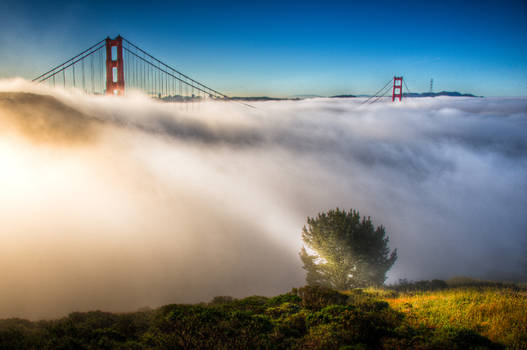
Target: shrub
x,y
306,318
419,286
220,300
284,298
318,297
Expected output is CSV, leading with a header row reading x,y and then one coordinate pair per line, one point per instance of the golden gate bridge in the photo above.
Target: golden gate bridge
x,y
113,66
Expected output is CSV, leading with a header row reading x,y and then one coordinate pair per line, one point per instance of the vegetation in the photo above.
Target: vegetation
x,y
349,251
497,313
311,317
461,313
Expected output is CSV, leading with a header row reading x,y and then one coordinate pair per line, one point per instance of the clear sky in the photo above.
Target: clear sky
x,y
287,48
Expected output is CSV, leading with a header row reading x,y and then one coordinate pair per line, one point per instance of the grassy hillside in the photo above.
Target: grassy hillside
x,y
499,314
476,317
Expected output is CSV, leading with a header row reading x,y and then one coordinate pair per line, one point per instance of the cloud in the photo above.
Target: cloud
x,y
117,203
43,118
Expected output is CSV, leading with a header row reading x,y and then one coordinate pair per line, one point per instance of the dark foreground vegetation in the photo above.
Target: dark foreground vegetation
x,y
443,317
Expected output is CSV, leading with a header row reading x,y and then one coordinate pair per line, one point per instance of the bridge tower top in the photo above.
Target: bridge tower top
x,y
397,88
114,66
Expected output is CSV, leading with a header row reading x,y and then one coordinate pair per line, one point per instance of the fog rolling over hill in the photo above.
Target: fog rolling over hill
x,y
118,203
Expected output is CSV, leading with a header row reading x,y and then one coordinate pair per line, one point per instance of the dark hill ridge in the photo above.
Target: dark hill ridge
x,y
261,98
302,97
343,96
435,94
417,94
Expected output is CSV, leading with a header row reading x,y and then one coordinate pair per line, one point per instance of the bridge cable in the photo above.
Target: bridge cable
x,y
71,59
187,84
379,97
82,71
175,70
404,82
69,65
377,93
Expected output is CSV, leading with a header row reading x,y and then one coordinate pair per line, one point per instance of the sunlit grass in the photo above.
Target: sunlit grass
x,y
499,314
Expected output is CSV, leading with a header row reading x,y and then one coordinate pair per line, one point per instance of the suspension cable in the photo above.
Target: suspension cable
x,y
69,65
159,69
404,82
71,59
377,93
157,83
381,96
175,70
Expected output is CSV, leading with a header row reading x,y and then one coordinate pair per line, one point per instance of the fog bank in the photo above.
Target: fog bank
x,y
118,203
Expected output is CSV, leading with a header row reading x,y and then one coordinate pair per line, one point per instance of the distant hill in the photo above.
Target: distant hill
x,y
343,96
305,96
434,94
261,98
301,97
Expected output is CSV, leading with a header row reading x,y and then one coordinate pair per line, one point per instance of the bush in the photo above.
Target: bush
x,y
419,286
318,297
284,298
306,318
221,300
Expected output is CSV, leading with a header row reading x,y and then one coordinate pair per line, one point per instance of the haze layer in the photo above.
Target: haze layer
x,y
118,203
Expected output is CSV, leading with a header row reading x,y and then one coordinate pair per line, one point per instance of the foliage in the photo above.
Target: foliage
x,y
311,317
424,285
349,251
317,297
221,300
462,281
291,297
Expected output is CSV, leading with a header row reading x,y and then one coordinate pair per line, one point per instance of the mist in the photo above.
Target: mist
x,y
119,203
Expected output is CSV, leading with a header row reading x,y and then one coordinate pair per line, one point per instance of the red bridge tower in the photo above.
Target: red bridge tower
x,y
114,66
397,88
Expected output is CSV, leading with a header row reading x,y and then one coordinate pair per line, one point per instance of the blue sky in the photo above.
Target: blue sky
x,y
288,48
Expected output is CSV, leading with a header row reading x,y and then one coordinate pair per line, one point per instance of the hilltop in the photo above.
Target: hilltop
x,y
262,98
436,94
302,97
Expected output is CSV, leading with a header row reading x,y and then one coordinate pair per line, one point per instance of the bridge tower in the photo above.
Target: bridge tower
x,y
397,88
114,66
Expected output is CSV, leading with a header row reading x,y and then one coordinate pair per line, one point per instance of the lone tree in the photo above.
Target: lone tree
x,y
349,251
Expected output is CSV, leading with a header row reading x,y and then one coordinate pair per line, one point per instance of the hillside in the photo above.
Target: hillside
x,y
300,97
436,94
465,317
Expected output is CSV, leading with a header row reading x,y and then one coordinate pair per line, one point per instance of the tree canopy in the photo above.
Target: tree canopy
x,y
348,252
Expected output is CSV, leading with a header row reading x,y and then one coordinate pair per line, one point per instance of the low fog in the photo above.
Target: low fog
x,y
119,203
